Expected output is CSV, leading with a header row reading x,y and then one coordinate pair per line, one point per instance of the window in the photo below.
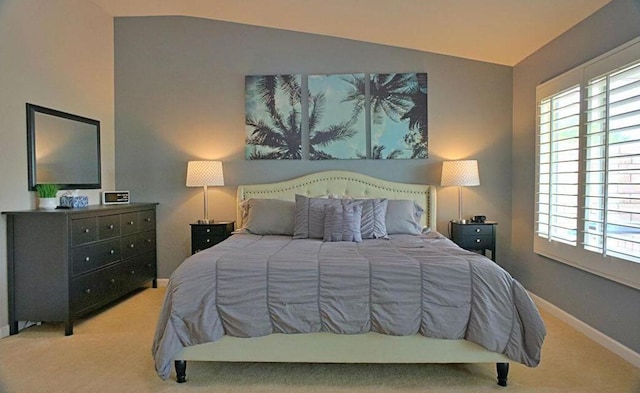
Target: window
x,y
588,166
612,196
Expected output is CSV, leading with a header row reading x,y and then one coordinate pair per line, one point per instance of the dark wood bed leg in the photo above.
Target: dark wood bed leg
x,y
503,371
181,371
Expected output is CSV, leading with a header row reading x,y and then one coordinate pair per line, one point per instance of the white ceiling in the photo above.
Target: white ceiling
x,y
495,31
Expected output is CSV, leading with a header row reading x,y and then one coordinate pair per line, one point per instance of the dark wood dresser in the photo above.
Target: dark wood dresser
x,y
67,262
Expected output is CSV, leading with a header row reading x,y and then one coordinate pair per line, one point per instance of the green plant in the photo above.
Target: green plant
x,y
47,190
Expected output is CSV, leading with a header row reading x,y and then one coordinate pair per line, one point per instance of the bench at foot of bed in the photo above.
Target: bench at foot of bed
x,y
181,372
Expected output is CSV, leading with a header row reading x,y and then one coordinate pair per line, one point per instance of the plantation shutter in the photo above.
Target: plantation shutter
x,y
612,178
558,163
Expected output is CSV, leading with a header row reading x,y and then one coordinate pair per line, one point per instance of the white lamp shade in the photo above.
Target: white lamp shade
x,y
204,173
460,173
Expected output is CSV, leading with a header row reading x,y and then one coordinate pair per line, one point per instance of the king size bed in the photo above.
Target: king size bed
x,y
339,267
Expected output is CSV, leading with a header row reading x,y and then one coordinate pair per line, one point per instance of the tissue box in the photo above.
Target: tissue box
x,y
74,201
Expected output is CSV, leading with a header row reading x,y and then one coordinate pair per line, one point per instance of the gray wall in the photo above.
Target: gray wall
x,y
180,96
59,55
612,308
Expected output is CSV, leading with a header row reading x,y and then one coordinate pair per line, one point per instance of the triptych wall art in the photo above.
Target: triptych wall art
x,y
342,116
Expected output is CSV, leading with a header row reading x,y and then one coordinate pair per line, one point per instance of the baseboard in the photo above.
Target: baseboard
x,y
4,331
163,282
612,345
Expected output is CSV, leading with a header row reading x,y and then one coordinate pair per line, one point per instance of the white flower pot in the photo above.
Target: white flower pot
x,y
48,203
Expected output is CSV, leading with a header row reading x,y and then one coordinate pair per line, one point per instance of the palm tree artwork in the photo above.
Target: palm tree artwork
x,y
398,107
273,117
336,129
344,115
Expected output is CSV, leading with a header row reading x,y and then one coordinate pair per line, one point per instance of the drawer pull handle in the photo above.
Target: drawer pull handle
x,y
130,222
149,265
208,240
208,230
111,226
112,281
149,241
477,240
87,259
477,230
112,251
147,219
86,230
132,272
132,245
87,291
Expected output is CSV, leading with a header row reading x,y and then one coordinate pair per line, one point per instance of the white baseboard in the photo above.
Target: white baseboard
x,y
4,331
612,345
163,282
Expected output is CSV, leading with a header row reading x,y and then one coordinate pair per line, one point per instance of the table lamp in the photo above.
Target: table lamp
x,y
460,173
204,174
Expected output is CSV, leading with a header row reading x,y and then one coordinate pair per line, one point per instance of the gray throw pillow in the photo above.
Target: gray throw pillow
x,y
403,217
342,222
373,224
309,217
268,216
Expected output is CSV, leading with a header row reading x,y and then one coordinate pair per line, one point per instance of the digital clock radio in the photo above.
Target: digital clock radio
x,y
115,197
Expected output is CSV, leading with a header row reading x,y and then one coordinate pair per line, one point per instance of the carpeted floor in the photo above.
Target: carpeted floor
x,y
110,352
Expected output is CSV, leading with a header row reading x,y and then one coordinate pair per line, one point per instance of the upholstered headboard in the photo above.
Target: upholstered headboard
x,y
343,184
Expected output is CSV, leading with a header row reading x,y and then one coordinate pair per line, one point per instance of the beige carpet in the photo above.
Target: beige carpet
x,y
110,352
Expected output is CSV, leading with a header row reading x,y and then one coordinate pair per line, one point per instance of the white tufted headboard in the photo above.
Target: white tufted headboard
x,y
342,184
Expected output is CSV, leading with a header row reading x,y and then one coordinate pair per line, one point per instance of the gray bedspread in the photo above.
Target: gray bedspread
x,y
253,285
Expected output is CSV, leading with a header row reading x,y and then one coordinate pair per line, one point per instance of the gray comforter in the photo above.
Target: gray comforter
x,y
253,285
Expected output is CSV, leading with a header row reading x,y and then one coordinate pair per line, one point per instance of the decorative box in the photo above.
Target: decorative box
x,y
74,201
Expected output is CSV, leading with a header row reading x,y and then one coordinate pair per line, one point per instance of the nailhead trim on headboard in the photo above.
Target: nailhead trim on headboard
x,y
365,186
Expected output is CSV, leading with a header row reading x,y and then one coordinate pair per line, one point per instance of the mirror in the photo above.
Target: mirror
x,y
63,149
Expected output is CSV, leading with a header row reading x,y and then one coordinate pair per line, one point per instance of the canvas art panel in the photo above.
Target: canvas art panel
x,y
337,128
273,117
398,105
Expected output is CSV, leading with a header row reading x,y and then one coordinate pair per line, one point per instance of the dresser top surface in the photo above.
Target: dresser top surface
x,y
88,209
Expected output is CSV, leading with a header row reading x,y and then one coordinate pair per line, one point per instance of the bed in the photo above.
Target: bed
x,y
363,278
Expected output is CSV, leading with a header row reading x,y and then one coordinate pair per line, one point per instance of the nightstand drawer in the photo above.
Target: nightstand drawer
x,y
204,236
475,237
476,241
476,229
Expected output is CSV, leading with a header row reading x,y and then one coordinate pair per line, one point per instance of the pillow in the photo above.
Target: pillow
x,y
403,217
309,217
268,216
373,224
342,222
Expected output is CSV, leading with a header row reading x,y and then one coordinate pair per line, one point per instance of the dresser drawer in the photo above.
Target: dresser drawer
x,y
87,258
129,223
97,288
138,243
83,230
108,226
147,220
138,270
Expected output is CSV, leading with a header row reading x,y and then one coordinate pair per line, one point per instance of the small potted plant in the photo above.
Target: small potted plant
x,y
47,196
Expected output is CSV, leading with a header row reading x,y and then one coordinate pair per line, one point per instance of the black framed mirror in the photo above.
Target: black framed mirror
x,y
62,149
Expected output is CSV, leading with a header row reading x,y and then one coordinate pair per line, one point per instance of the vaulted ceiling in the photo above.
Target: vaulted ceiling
x,y
495,31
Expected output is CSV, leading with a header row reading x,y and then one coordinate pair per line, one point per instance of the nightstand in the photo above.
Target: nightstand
x,y
204,236
476,237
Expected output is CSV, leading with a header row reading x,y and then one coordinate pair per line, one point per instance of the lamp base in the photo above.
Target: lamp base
x,y
460,221
205,221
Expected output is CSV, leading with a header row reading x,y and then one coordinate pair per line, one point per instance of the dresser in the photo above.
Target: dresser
x,y
476,236
65,263
204,236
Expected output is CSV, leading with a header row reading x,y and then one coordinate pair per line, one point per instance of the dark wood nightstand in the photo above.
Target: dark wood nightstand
x,y
204,236
476,237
